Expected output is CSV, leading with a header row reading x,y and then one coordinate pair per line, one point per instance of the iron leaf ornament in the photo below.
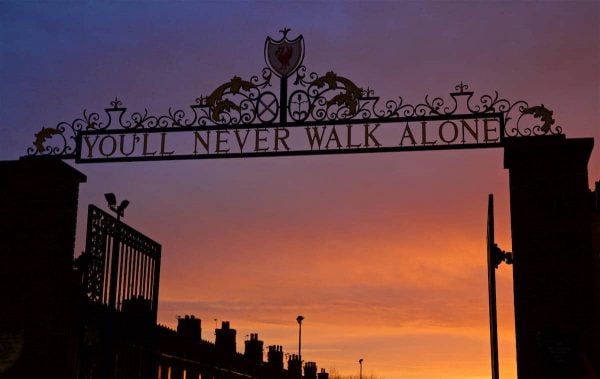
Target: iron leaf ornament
x,y
350,98
544,114
42,136
218,104
307,100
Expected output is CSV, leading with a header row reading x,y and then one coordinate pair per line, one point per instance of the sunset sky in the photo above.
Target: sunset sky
x,y
383,254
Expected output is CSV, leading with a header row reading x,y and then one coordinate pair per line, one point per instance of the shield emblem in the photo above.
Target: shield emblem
x,y
284,57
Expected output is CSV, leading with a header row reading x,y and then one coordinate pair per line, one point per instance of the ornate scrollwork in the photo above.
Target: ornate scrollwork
x,y
42,136
318,101
545,115
313,99
240,102
62,137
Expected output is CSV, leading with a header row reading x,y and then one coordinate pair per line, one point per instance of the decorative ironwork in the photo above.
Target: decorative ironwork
x,y
319,100
330,99
543,114
95,255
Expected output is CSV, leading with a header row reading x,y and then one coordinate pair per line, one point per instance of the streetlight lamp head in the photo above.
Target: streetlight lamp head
x,y
122,206
299,319
111,199
360,361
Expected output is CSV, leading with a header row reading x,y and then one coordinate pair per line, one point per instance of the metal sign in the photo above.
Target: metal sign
x,y
312,114
284,57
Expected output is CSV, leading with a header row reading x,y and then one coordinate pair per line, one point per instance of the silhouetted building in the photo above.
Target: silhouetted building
x,y
189,328
596,248
138,308
178,358
38,205
275,357
323,374
555,271
253,349
294,367
310,370
225,340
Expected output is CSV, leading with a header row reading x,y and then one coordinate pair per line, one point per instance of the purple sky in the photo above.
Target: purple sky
x,y
382,253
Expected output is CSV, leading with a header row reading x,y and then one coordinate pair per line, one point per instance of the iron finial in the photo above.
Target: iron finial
x,y
461,87
285,31
116,103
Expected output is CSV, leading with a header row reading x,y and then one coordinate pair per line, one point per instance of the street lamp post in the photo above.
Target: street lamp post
x,y
120,212
299,319
360,361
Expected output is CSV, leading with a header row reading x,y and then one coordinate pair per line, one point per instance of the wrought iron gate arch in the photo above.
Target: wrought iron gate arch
x,y
314,100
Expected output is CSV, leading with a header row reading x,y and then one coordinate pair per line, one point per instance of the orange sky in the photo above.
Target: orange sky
x,y
383,254
397,280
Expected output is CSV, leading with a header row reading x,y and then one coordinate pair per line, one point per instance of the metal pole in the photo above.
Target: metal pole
x,y
299,319
492,289
283,100
112,294
360,361
300,342
300,349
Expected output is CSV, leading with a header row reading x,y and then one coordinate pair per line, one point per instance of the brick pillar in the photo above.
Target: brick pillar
x,y
551,212
38,212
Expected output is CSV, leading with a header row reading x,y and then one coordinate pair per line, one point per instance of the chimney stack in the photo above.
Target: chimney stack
x,y
323,374
254,349
275,357
189,328
310,370
294,367
225,340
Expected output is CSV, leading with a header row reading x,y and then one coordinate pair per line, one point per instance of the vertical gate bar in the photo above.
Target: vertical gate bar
x,y
114,266
144,263
101,237
107,249
145,282
135,273
149,289
89,252
104,268
148,273
141,284
120,281
130,273
140,271
132,286
123,274
142,274
123,287
127,274
151,281
156,283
